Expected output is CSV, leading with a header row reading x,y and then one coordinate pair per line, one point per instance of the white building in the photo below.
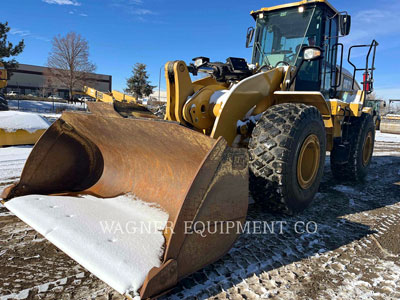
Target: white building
x,y
162,96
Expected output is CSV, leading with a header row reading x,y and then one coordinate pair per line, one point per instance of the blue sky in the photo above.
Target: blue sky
x,y
123,32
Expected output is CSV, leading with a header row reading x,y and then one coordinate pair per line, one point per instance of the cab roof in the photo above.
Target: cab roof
x,y
254,13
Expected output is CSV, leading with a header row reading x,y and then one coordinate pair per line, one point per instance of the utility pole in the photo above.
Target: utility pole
x,y
159,85
18,94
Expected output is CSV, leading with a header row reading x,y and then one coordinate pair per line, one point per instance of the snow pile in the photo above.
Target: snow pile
x,y
216,95
117,239
11,121
44,106
387,137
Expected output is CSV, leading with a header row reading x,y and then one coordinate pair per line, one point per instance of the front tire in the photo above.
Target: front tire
x,y
287,156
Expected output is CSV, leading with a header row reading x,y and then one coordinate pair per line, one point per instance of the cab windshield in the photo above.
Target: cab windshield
x,y
280,35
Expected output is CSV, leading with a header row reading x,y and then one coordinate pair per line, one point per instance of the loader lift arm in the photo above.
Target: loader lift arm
x,y
122,104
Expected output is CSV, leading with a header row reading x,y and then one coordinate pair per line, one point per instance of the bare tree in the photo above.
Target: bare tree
x,y
49,85
69,63
42,91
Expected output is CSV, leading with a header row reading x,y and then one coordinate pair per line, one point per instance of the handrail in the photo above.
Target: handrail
x,y
370,76
337,84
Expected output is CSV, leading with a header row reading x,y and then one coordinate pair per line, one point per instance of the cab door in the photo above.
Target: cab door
x,y
329,70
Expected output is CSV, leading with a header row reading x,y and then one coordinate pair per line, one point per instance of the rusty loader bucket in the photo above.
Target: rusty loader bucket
x,y
192,177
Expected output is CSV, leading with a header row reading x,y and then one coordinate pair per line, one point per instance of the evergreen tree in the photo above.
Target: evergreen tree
x,y
138,84
7,49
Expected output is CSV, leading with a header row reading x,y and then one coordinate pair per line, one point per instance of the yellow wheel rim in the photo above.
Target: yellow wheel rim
x,y
308,161
367,149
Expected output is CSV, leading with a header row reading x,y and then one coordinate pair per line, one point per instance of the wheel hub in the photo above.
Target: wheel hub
x,y
308,161
367,149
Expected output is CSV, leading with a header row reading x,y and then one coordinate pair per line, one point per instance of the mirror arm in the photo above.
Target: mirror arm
x,y
249,36
292,79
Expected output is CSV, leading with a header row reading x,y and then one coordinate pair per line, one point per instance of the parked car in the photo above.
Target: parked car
x,y
12,93
54,97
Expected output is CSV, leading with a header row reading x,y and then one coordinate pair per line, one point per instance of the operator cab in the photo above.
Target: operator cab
x,y
283,33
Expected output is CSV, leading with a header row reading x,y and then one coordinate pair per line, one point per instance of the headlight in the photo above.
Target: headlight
x,y
200,60
311,54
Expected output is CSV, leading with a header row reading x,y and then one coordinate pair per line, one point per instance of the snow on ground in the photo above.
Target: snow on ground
x,y
12,121
354,254
50,115
387,144
117,239
387,137
12,160
44,109
43,106
41,288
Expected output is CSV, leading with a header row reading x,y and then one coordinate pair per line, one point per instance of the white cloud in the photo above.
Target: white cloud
x,y
374,23
19,32
142,12
131,7
63,2
27,33
120,3
75,12
41,38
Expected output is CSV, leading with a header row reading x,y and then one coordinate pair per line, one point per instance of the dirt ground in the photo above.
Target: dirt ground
x,y
353,253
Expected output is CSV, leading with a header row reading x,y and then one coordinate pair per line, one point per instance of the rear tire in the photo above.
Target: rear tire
x,y
350,160
287,156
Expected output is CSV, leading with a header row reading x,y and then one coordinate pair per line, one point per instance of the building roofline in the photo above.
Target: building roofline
x,y
44,67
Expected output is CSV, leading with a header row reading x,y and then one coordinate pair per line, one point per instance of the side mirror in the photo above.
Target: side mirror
x,y
344,24
312,53
249,36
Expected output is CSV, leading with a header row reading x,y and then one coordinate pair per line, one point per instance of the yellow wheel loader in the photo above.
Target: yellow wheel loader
x,y
262,128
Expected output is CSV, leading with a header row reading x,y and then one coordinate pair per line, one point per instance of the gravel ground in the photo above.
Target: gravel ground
x,y
353,253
